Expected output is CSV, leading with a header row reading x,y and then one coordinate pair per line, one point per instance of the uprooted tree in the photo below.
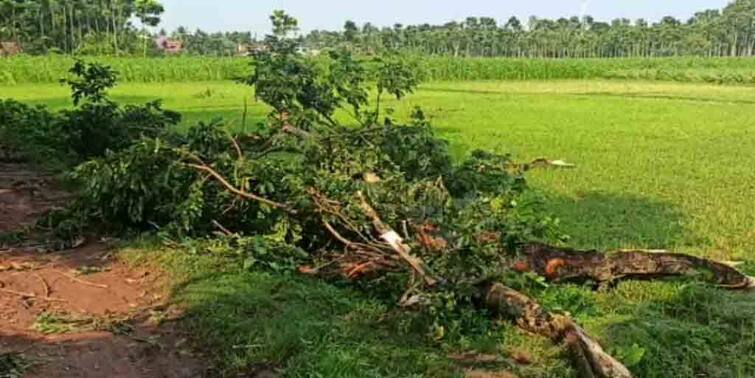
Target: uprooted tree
x,y
329,187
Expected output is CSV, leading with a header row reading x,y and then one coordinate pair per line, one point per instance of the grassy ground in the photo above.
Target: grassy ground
x,y
659,165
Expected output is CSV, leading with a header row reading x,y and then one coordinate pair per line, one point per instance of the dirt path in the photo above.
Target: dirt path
x,y
79,313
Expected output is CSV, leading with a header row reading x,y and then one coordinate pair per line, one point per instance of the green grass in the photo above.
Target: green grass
x,y
660,165
247,322
13,365
54,323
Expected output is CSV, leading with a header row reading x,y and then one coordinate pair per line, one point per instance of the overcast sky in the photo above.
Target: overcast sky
x,y
215,15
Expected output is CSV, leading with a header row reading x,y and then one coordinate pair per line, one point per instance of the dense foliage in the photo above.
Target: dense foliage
x,y
95,126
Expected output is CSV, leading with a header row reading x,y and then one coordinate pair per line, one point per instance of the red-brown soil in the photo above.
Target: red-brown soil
x,y
123,328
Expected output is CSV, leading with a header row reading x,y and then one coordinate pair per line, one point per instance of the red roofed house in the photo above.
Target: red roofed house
x,y
9,48
169,46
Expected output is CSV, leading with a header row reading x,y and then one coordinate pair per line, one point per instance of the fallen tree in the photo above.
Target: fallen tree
x,y
371,201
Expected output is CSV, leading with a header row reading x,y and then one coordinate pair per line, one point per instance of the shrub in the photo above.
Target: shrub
x,y
96,125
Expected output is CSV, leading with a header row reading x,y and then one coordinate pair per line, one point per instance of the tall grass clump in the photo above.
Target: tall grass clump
x,y
49,69
692,69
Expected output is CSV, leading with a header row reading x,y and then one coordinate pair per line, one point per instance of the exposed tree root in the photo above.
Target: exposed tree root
x,y
589,357
565,264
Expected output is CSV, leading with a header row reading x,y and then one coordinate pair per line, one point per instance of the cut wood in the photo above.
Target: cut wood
x,y
565,264
589,357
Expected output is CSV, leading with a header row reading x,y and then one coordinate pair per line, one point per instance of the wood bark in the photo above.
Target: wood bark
x,y
565,264
588,356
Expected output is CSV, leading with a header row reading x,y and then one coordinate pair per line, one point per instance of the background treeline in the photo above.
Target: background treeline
x,y
79,26
727,32
49,69
102,27
108,27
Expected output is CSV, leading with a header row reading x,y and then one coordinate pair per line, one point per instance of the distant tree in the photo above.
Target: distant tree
x,y
148,12
350,31
104,27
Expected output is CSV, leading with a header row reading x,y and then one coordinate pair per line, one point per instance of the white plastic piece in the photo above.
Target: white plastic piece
x,y
392,238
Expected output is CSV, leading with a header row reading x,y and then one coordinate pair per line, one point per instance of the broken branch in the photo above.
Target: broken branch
x,y
392,238
293,130
563,264
589,357
234,189
543,163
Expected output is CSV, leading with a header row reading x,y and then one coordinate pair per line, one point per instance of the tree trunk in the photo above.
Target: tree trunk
x,y
588,356
564,264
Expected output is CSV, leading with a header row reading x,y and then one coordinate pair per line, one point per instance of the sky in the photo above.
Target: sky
x,y
252,15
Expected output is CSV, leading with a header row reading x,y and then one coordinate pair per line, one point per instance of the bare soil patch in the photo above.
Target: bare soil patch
x,y
82,312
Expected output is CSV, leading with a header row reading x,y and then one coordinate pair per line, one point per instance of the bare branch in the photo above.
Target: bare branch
x,y
235,190
236,146
394,240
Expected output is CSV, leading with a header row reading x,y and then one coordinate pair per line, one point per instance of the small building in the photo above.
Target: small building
x,y
169,46
10,48
249,49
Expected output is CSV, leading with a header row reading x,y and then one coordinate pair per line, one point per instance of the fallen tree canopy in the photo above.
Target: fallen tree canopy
x,y
370,201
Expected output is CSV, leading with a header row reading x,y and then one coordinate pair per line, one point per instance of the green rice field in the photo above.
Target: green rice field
x,y
660,164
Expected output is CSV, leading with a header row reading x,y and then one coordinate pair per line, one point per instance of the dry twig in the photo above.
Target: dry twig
x,y
543,163
79,280
222,229
45,286
29,295
236,146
